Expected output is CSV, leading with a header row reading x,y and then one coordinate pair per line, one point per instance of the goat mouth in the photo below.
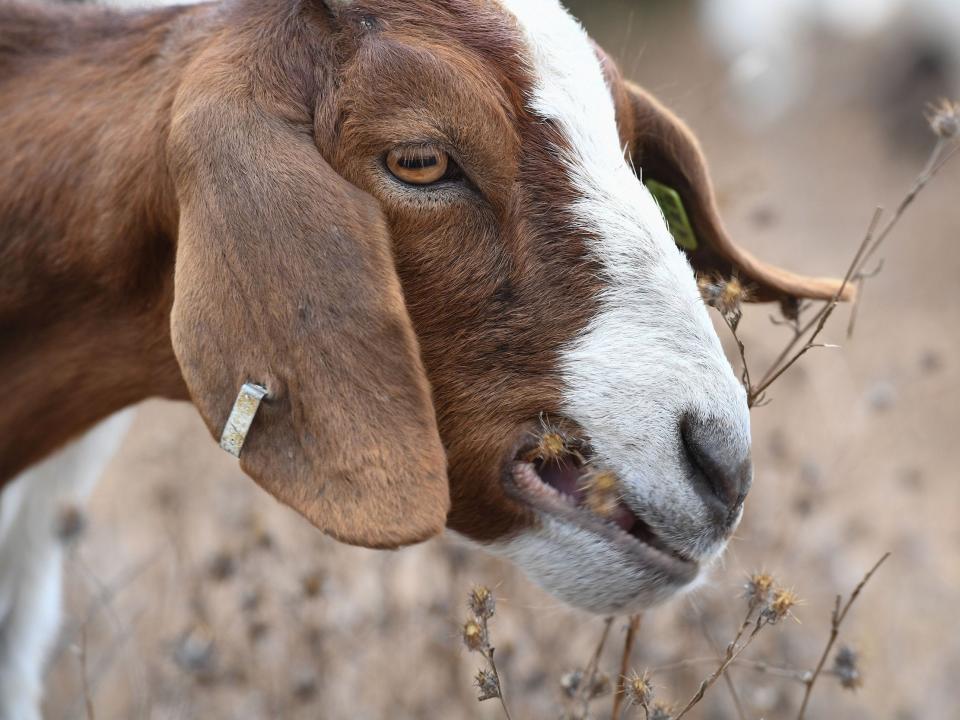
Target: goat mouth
x,y
570,491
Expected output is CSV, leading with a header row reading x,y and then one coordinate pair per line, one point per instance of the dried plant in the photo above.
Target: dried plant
x,y
846,666
727,295
838,616
767,604
762,610
589,685
476,637
555,443
633,625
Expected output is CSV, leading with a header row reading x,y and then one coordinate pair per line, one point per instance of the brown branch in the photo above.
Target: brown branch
x,y
733,651
728,681
798,333
934,164
872,241
590,672
488,654
476,637
632,626
824,314
836,619
745,373
758,666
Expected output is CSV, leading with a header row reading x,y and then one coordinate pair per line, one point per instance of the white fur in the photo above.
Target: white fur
x,y
648,356
31,559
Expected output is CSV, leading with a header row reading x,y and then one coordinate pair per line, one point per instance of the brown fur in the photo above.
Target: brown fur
x,y
193,197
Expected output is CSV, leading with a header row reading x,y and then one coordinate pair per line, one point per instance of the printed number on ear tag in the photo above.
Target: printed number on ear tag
x,y
676,215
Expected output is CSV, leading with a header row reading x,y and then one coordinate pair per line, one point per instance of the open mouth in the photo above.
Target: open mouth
x,y
561,483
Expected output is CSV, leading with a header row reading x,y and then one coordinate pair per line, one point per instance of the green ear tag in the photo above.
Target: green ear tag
x,y
672,207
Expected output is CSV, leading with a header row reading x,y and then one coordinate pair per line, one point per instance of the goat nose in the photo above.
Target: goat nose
x,y
722,459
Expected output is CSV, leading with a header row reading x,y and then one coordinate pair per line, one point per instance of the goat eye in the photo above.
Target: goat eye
x,y
419,165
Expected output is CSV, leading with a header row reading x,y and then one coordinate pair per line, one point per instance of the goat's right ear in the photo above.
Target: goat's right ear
x,y
284,277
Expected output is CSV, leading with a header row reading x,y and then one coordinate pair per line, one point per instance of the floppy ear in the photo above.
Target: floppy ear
x,y
668,157
284,277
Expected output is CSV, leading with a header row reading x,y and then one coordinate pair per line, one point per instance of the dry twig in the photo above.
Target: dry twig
x,y
733,651
766,605
633,624
836,619
585,691
476,636
735,696
944,150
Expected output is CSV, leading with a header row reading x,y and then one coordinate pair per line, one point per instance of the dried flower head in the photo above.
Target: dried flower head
x,y
554,443
474,635
759,589
660,711
638,689
552,446
570,683
780,605
846,667
725,294
944,119
488,687
601,491
481,602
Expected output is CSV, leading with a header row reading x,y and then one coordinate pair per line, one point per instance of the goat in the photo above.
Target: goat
x,y
420,226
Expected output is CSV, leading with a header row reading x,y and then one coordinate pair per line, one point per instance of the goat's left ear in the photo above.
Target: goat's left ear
x,y
672,166
284,277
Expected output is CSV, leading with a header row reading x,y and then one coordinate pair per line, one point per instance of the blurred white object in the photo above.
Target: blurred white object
x,y
31,558
767,43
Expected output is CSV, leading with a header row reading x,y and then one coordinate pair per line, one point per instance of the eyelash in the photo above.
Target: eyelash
x,y
454,173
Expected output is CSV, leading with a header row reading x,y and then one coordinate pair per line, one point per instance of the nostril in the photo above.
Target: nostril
x,y
724,463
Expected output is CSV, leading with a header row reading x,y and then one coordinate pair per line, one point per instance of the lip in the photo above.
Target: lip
x,y
524,485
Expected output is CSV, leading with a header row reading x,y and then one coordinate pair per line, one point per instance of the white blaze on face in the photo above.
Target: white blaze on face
x,y
648,356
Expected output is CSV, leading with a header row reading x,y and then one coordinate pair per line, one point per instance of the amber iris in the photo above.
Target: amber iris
x,y
418,165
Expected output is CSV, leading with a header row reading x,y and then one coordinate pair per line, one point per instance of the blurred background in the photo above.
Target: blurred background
x,y
191,594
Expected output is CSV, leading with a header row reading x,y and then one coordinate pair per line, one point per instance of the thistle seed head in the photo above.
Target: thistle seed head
x,y
638,689
780,605
759,589
474,635
725,294
846,667
944,119
601,491
570,683
487,686
481,602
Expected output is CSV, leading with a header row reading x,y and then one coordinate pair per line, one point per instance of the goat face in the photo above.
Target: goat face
x,y
593,430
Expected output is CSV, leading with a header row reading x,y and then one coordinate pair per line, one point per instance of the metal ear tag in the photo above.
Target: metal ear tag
x,y
241,417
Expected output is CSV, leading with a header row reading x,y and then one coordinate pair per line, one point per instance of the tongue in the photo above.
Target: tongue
x,y
563,476
623,517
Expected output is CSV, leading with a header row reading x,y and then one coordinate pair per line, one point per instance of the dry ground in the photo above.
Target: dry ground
x,y
204,599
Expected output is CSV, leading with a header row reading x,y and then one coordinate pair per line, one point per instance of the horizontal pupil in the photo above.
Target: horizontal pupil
x,y
419,163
